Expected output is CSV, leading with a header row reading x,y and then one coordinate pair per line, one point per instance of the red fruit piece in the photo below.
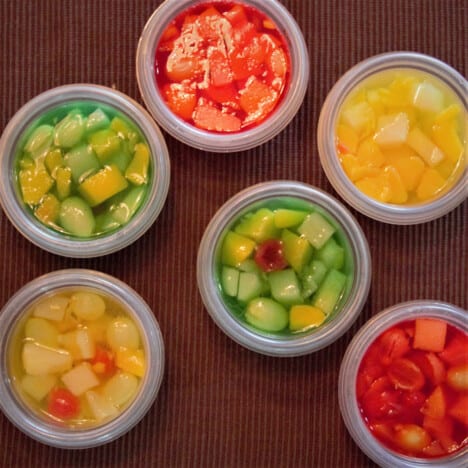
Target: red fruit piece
x,y
247,59
181,98
269,256
456,351
457,378
380,401
459,410
432,366
411,437
257,100
429,334
223,95
394,344
208,117
63,404
103,362
220,70
435,405
236,15
405,374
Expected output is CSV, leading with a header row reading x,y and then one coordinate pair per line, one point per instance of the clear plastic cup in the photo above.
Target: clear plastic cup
x,y
351,414
448,199
218,142
56,434
268,343
60,243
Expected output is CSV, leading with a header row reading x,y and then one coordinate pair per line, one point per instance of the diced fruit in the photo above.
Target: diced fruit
x,y
48,209
354,169
102,362
369,154
39,141
393,344
297,250
79,343
87,305
410,170
236,248
82,162
412,437
285,218
181,98
266,314
101,408
250,285
392,130
318,270
360,117
208,117
445,136
257,100
331,254
132,361
34,185
420,143
137,171
63,404
123,332
127,206
430,334
124,130
304,317
104,143
63,179
456,350
435,406
431,183
259,226
285,287
230,280
52,308
120,388
316,229
457,377
103,185
38,386
97,120
458,410
348,139
377,187
41,331
428,98
53,160
405,374
70,130
41,360
270,256
330,291
76,217
80,379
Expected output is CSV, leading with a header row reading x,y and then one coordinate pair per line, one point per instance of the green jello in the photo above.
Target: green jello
x,y
284,266
83,169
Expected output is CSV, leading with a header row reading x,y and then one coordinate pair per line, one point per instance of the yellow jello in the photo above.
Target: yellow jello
x,y
401,137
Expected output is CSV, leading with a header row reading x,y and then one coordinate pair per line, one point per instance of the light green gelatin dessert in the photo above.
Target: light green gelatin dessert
x,y
83,169
285,266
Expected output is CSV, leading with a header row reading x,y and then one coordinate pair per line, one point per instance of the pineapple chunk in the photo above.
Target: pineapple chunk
x,y
79,343
87,305
132,361
428,98
392,129
34,185
42,360
69,322
80,379
52,308
122,332
137,171
120,388
101,408
41,331
63,179
418,141
48,209
360,117
38,386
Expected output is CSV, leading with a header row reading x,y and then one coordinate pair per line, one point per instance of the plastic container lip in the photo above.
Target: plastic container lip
x,y
208,141
261,343
348,374
388,213
51,434
62,244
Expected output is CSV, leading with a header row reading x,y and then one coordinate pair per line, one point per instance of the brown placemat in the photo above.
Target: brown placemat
x,y
220,404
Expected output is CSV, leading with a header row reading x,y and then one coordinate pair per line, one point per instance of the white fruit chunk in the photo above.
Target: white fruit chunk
x,y
80,379
41,360
123,332
38,386
100,407
120,388
79,342
87,306
41,331
420,143
428,98
392,129
52,308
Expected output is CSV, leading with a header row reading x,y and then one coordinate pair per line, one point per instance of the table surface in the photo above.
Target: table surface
x,y
220,404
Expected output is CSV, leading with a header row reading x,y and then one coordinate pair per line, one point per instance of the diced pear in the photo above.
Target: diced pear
x,y
296,249
423,145
42,360
41,331
360,117
266,314
259,226
427,97
120,388
251,285
82,162
329,293
76,217
122,332
285,287
101,408
131,360
236,249
230,280
285,218
392,129
79,343
316,229
70,130
97,120
305,317
38,386
69,322
87,305
80,379
39,141
52,308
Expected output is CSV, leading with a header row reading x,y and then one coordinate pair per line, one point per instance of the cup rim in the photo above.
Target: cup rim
x,y
354,353
39,429
260,342
69,246
386,212
290,103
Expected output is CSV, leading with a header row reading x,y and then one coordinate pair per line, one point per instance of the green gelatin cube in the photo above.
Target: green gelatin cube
x,y
316,229
82,162
331,254
259,226
266,314
39,141
70,130
329,293
285,287
126,208
296,249
230,280
97,120
250,286
76,217
285,218
105,143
